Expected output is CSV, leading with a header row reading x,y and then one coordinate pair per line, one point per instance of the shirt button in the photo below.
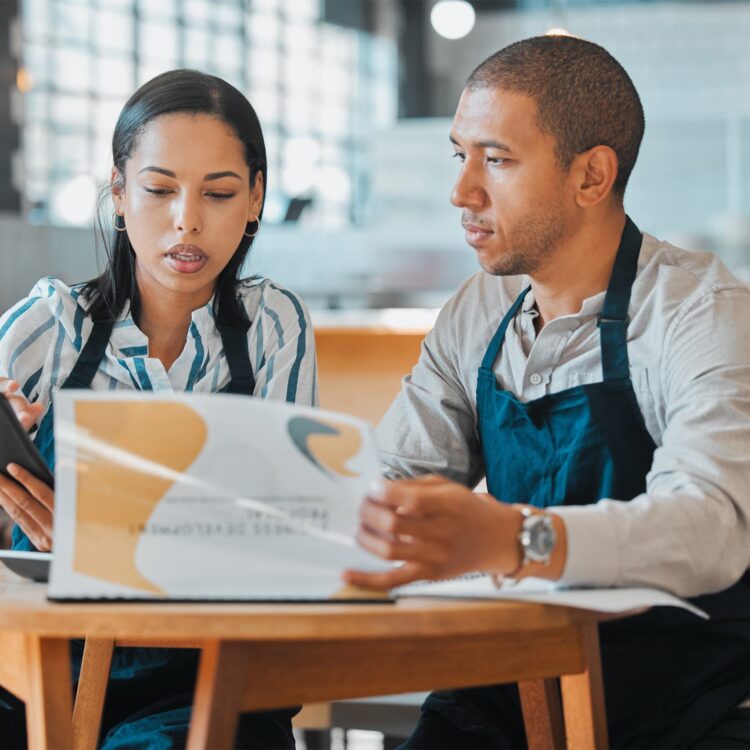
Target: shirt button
x,y
535,378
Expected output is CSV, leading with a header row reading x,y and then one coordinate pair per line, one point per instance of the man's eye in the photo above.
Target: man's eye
x,y
457,155
496,160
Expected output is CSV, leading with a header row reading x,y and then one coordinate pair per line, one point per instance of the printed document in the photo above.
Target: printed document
x,y
213,496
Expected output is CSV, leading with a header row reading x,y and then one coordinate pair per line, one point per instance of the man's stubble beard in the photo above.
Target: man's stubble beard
x,y
531,242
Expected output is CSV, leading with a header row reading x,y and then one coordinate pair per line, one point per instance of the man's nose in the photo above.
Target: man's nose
x,y
467,191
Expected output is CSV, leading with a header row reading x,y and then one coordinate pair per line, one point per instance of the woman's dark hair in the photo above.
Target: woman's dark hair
x,y
176,91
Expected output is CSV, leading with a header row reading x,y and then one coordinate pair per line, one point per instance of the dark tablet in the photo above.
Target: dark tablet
x,y
33,565
16,446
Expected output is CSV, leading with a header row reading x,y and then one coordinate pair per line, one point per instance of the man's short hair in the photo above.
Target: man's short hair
x,y
584,96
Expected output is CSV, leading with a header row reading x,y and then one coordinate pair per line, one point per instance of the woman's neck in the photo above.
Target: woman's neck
x,y
165,319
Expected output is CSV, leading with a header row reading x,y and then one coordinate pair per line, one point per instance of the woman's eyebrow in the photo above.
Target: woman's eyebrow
x,y
209,177
219,175
160,170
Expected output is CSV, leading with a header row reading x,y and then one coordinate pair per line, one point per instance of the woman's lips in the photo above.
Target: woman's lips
x,y
186,258
476,235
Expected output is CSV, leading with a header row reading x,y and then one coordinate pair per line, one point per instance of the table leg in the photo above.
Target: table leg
x,y
218,695
542,714
583,698
92,691
49,703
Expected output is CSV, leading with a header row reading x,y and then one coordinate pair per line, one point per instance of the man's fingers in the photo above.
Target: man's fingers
x,y
386,520
413,550
384,580
417,498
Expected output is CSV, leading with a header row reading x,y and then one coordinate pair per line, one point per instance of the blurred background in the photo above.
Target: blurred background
x,y
355,97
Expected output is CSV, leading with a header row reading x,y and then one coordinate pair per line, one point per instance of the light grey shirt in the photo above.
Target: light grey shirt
x,y
689,351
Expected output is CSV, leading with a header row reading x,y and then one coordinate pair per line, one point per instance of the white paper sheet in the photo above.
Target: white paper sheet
x,y
205,496
547,592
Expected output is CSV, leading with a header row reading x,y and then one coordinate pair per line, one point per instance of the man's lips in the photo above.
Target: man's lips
x,y
476,234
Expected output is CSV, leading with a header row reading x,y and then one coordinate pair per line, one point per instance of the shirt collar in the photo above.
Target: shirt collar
x,y
590,306
129,340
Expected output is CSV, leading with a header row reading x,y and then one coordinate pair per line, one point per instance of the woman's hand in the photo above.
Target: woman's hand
x,y
27,500
30,503
27,413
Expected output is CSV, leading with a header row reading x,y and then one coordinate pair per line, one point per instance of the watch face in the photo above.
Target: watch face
x,y
541,538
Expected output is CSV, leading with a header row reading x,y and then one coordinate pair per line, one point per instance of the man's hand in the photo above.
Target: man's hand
x,y
439,528
27,413
28,501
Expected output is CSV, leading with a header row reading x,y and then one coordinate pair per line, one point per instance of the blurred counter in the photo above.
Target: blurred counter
x,y
364,354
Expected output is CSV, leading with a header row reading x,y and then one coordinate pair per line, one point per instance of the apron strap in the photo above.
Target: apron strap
x,y
236,351
613,319
233,340
497,340
93,352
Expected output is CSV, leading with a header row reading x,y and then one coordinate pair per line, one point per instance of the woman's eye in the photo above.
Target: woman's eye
x,y
221,196
157,191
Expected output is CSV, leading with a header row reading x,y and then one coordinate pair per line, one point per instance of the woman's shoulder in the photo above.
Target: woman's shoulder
x,y
266,298
50,299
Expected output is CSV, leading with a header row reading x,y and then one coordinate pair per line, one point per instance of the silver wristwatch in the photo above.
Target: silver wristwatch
x,y
537,537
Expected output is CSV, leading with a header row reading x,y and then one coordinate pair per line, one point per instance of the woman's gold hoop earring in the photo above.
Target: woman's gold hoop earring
x,y
256,220
115,217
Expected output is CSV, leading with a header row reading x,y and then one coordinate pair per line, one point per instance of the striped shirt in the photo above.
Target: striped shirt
x,y
41,338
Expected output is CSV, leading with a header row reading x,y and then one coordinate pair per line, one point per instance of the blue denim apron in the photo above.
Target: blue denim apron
x,y
149,694
668,675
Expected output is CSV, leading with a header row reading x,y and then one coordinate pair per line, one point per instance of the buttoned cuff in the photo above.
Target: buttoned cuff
x,y
593,548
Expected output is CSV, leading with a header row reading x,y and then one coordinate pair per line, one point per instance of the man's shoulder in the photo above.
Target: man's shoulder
x,y
684,272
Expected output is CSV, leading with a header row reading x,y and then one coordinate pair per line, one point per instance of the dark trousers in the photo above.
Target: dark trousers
x,y
134,722
463,724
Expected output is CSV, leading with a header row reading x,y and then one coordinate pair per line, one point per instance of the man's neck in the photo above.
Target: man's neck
x,y
579,269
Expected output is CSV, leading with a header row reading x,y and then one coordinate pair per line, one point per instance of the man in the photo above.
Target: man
x,y
600,379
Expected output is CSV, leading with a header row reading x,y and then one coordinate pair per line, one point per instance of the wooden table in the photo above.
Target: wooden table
x,y
269,656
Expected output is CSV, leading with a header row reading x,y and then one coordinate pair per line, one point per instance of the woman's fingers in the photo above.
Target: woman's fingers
x,y
8,386
26,413
33,516
34,531
35,486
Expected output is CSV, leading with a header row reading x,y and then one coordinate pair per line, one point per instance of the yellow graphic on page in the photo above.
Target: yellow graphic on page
x,y
114,501
328,445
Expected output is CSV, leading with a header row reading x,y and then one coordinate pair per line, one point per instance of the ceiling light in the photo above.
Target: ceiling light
x,y
452,19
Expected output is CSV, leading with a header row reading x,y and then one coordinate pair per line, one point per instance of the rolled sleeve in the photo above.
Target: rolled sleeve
x,y
688,533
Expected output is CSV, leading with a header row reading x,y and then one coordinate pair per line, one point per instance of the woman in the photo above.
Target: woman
x,y
169,313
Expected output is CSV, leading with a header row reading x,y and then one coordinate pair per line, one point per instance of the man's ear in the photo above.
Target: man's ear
x,y
257,191
117,188
595,173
